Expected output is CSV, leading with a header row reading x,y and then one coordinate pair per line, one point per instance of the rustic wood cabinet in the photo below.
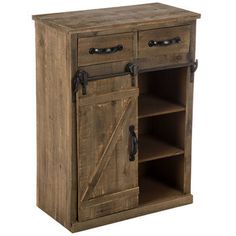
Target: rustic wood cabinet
x,y
114,112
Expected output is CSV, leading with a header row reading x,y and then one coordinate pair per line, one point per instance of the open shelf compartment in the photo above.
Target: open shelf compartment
x,y
161,133
161,136
161,180
162,92
152,148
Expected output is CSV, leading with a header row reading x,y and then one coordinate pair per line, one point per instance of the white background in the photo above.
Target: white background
x,y
214,129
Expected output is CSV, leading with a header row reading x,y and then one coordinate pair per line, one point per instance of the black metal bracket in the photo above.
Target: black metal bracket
x,y
194,66
133,70
81,77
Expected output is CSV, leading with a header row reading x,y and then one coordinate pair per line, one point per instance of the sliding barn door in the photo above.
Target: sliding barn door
x,y
106,127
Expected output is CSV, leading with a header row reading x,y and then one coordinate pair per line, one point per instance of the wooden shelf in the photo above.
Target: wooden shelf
x,y
150,148
150,105
152,190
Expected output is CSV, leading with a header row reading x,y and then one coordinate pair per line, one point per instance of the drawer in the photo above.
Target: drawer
x,y
103,49
164,46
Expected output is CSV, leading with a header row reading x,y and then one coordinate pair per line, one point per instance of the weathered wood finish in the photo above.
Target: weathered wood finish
x,y
84,175
107,69
84,44
54,123
105,115
183,32
189,114
138,17
139,211
72,64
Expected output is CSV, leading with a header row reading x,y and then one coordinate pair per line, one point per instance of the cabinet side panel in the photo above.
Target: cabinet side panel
x,y
189,111
54,124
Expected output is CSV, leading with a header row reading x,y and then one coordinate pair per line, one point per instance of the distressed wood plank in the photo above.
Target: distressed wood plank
x,y
108,41
136,16
183,32
189,116
72,68
118,174
108,97
54,124
108,149
139,211
111,197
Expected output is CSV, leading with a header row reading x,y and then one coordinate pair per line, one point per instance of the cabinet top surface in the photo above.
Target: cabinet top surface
x,y
134,17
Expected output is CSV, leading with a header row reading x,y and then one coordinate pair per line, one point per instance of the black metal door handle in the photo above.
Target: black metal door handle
x,y
167,42
106,50
133,143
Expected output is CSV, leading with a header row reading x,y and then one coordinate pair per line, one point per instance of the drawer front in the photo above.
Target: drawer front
x,y
102,49
164,46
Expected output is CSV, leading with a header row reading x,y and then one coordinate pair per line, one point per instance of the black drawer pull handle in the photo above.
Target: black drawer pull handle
x,y
106,50
133,143
167,42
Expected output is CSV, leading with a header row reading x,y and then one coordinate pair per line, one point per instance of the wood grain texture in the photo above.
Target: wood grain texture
x,y
84,176
102,69
54,124
150,148
84,44
189,115
104,166
164,55
151,105
168,84
108,150
163,191
72,64
136,17
139,211
183,32
162,61
112,196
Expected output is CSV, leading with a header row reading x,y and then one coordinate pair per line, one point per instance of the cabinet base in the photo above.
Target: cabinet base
x,y
141,210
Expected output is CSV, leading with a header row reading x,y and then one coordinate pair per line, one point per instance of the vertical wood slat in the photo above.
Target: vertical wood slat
x,y
104,164
54,124
189,111
72,46
105,157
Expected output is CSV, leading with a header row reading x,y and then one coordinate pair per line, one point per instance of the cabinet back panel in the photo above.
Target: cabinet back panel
x,y
166,84
169,171
169,128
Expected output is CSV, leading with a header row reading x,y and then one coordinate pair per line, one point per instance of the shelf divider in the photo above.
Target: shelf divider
x,y
151,105
151,148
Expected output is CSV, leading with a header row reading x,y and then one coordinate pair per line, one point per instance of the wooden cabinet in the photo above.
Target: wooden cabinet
x,y
114,112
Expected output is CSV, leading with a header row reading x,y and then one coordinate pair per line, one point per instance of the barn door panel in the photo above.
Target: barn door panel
x,y
108,178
